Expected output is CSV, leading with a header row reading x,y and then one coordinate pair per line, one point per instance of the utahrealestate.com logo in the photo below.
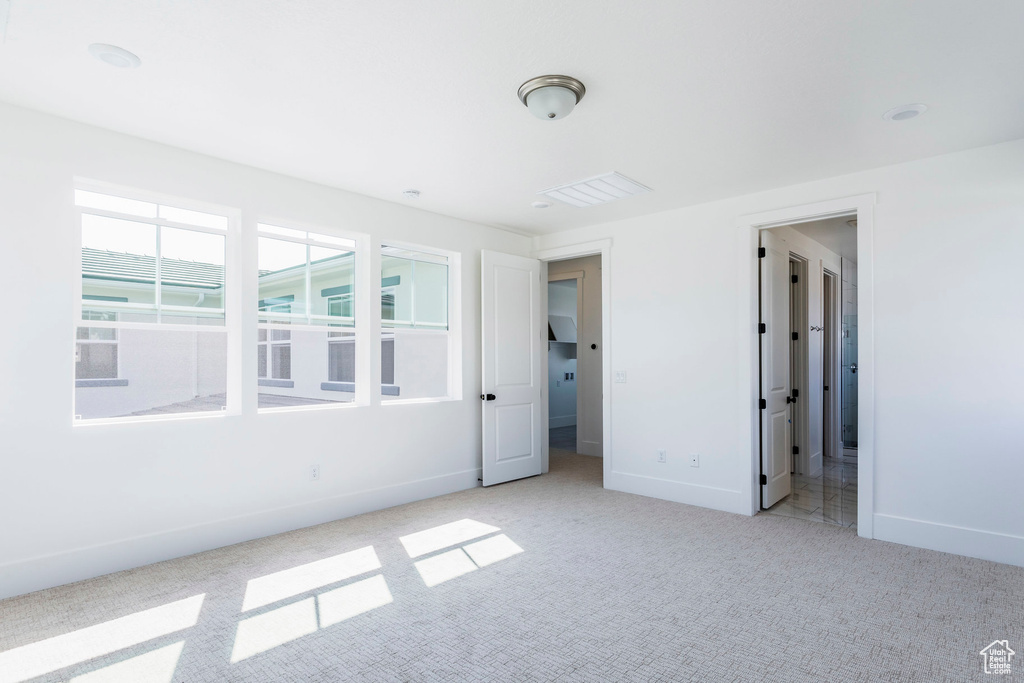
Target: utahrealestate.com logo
x,y
998,656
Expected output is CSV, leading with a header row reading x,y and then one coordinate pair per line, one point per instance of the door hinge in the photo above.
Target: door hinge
x,y
826,387
794,278
761,252
764,479
796,336
764,404
796,393
796,450
762,328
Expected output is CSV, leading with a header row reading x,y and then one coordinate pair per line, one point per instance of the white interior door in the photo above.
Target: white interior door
x,y
776,435
512,367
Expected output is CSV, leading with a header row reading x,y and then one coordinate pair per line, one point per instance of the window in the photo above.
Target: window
x,y
150,337
96,348
307,323
415,344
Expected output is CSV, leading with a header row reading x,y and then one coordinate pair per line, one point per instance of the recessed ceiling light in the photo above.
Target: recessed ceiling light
x,y
907,111
541,205
114,56
411,194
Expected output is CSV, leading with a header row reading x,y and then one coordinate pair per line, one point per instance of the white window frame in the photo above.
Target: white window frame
x,y
454,330
303,321
232,290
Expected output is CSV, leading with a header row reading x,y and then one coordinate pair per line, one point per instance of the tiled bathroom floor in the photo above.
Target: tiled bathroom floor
x,y
831,497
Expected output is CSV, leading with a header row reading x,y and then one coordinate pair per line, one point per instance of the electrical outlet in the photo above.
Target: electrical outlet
x,y
694,460
662,456
314,472
620,377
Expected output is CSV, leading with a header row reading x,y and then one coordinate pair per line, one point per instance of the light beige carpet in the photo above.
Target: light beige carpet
x,y
608,586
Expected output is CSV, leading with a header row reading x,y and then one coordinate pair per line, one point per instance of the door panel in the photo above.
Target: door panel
x,y
776,435
512,344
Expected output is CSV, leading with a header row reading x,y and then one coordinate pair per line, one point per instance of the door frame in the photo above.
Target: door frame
x,y
749,227
604,249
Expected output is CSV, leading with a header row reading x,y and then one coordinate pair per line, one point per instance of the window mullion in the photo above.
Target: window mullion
x,y
158,295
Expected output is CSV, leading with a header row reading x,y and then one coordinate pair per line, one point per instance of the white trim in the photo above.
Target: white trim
x,y
604,248
56,569
748,227
711,497
163,199
162,222
958,540
573,275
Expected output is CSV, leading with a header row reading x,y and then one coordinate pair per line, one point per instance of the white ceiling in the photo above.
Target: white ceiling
x,y
697,100
835,234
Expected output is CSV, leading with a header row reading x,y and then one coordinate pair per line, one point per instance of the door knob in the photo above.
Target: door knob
x,y
853,368
487,397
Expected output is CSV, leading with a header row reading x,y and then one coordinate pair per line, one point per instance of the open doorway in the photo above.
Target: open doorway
x,y
575,358
808,369
564,316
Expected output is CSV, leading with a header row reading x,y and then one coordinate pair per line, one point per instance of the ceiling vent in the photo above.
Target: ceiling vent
x,y
600,190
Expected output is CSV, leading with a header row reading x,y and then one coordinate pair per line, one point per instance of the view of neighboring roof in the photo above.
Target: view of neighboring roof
x,y
122,267
99,264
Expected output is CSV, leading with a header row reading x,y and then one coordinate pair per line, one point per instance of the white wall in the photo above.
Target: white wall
x,y
81,501
948,320
589,430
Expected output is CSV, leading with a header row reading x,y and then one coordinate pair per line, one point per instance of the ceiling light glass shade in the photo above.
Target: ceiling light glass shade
x,y
551,103
551,97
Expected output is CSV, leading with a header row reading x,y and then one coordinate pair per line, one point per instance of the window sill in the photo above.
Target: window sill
x,y
413,401
350,387
278,383
83,383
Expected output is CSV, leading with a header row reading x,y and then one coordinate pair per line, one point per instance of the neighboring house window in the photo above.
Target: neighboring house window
x,y
151,338
415,343
96,348
274,348
306,308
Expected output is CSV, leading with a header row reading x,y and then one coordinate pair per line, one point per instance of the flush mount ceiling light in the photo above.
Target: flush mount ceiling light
x,y
114,56
907,111
541,205
551,97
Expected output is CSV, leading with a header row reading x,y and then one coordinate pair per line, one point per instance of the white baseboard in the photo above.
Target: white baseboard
x,y
561,421
679,492
26,576
986,545
590,448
